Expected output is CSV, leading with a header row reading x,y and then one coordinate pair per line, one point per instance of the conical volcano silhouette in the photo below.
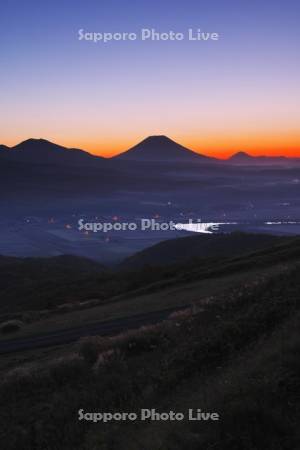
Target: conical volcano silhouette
x,y
160,148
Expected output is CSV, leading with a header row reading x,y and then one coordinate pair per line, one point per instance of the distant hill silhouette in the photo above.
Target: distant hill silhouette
x,y
243,158
174,251
161,148
42,151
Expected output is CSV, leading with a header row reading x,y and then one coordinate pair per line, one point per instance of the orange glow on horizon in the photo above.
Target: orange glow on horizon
x,y
219,146
288,146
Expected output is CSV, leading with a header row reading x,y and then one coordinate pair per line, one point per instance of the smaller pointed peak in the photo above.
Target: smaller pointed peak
x,y
240,154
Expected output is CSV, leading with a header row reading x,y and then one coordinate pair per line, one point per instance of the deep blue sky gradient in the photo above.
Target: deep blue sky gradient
x,y
79,92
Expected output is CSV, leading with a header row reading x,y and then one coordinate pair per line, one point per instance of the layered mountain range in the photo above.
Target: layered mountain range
x,y
153,149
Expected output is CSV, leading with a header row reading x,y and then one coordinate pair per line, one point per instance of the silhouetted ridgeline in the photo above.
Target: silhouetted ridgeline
x,y
198,246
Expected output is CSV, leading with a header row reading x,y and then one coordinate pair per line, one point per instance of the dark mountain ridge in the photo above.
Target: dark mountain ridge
x,y
152,149
46,152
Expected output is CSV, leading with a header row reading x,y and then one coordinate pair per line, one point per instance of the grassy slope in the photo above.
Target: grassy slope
x,y
124,294
237,357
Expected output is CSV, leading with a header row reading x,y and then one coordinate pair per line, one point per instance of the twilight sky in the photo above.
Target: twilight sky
x,y
239,93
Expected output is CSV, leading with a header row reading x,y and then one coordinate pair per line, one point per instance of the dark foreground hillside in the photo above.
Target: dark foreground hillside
x,y
38,283
46,283
235,354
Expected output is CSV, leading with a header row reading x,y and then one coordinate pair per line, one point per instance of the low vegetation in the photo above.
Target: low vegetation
x,y
236,356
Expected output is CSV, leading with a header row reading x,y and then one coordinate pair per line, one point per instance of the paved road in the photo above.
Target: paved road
x,y
66,336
